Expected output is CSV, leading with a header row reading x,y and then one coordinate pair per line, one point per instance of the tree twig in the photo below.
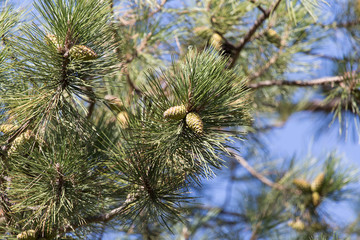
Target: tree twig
x,y
255,173
314,82
96,219
252,31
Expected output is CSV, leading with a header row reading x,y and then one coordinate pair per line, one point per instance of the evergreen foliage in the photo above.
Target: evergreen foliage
x,y
113,115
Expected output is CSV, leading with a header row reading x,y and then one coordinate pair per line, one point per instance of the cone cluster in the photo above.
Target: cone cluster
x,y
27,235
192,119
82,52
273,37
314,188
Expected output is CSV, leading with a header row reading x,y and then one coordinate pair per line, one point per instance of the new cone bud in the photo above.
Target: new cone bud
x,y
27,235
217,41
82,52
123,118
273,37
175,113
7,128
194,122
302,184
316,198
318,182
114,103
298,225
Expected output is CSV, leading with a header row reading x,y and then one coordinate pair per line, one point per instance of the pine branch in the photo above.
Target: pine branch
x,y
271,61
255,173
314,82
160,7
259,6
252,30
101,218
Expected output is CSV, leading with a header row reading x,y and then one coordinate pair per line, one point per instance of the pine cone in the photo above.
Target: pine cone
x,y
123,118
217,41
82,52
51,39
21,139
114,103
194,122
318,182
298,225
302,184
273,37
6,128
27,235
175,113
316,199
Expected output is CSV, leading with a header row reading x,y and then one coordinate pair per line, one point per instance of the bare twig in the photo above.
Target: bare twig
x,y
259,6
161,5
314,82
255,173
96,219
252,30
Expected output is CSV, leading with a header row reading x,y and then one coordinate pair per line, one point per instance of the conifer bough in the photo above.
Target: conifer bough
x,y
82,52
175,113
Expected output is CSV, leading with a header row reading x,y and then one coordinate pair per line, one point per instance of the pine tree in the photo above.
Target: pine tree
x,y
113,114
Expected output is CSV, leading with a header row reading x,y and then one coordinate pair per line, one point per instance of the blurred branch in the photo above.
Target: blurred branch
x,y
96,219
314,82
258,6
271,61
255,173
160,7
252,30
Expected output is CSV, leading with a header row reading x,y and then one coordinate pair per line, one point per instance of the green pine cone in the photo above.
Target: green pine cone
x,y
302,184
6,128
316,199
175,113
27,235
82,52
318,182
217,41
194,122
114,103
273,37
298,225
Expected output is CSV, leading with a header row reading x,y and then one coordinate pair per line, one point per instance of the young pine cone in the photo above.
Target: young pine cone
x,y
114,103
194,122
302,184
123,119
316,199
82,52
298,225
27,235
318,182
175,113
273,37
